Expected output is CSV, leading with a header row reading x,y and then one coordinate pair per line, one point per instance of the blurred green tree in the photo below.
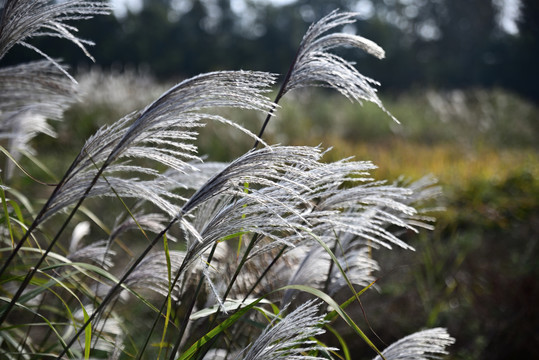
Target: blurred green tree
x,y
439,43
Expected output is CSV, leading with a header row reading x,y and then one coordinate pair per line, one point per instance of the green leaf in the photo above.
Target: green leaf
x,y
6,213
169,297
344,347
87,335
330,316
3,150
79,267
229,305
51,326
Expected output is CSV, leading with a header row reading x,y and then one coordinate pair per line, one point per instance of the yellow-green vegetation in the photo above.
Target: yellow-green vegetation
x,y
483,136
453,165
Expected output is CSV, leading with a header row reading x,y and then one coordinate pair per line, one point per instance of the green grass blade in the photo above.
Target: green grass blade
x,y
344,347
87,335
331,315
17,210
83,268
51,326
343,273
5,152
169,296
23,200
6,213
336,262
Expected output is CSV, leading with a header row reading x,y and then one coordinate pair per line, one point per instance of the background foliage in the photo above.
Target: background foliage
x,y
442,44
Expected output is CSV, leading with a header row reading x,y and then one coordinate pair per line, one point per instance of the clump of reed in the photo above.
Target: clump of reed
x,y
219,260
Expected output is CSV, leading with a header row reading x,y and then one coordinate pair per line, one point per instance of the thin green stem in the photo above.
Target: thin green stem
x,y
154,325
239,267
37,219
230,284
328,278
35,268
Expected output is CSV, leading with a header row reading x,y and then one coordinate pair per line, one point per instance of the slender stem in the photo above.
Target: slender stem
x,y
185,321
154,325
230,284
22,343
280,94
111,292
331,265
38,218
273,262
176,279
43,210
240,266
268,268
33,271
191,305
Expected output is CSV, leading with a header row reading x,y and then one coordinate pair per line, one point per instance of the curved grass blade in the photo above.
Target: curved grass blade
x,y
51,325
14,161
169,295
344,346
87,335
6,214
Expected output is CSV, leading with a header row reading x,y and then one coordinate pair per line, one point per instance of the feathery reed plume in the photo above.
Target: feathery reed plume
x,y
422,345
151,273
22,20
97,252
157,133
30,94
19,21
315,268
161,133
315,65
290,336
365,209
272,207
152,222
34,92
425,198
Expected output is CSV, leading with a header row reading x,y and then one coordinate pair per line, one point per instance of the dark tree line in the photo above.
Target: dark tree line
x,y
439,43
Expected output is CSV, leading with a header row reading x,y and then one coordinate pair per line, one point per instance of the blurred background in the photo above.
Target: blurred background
x,y
439,43
462,76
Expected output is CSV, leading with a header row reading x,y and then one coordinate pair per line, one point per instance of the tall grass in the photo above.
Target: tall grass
x,y
143,250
